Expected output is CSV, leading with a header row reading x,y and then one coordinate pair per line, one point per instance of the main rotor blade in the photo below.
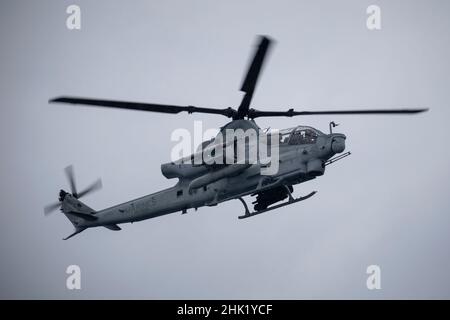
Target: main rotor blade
x,y
162,108
291,113
71,177
51,207
93,187
249,84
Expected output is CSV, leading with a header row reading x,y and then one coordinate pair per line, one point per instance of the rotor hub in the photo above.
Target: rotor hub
x,y
62,195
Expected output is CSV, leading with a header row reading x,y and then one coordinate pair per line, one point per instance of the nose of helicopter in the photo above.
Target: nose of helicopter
x,y
338,142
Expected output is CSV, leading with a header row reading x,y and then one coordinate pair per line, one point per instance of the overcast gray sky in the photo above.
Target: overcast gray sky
x,y
388,204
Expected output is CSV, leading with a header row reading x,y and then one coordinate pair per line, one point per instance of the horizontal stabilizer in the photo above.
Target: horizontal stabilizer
x,y
113,227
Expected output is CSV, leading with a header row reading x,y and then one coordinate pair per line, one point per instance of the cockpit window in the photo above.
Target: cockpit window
x,y
303,136
284,138
283,135
297,135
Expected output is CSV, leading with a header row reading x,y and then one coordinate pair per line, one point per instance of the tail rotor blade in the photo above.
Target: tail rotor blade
x,y
51,208
71,177
97,185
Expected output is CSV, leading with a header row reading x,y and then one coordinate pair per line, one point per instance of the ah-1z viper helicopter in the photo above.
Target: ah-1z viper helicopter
x,y
304,152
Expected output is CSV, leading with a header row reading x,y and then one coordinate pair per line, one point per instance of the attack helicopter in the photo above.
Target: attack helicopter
x,y
303,154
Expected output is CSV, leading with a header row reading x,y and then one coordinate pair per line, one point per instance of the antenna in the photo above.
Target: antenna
x,y
333,125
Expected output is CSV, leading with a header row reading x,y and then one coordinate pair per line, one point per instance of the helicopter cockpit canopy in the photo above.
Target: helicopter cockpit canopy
x,y
299,135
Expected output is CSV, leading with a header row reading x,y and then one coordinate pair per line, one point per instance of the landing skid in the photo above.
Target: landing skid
x,y
291,200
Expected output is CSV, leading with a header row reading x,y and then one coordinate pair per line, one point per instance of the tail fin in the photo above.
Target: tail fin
x,y
77,231
79,214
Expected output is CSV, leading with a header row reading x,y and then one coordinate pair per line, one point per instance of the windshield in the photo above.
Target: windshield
x,y
303,136
298,135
